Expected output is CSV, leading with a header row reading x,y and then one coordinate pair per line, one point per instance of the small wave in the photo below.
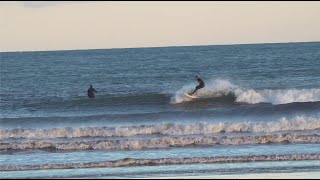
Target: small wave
x,y
298,123
221,88
129,162
161,142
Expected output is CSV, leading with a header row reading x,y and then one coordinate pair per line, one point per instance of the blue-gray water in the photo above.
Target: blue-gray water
x,y
259,99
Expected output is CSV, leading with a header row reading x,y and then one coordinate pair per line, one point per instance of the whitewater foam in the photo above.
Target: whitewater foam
x,y
213,88
277,96
160,142
218,88
299,123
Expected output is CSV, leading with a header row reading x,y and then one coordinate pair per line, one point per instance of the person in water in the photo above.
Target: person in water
x,y
91,92
201,85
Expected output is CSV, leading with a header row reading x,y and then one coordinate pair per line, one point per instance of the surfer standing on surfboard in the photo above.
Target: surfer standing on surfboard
x,y
201,85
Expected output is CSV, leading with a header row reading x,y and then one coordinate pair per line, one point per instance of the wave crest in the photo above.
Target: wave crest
x,y
219,88
129,162
277,96
161,142
298,123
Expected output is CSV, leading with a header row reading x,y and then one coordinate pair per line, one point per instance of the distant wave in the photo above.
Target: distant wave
x,y
299,123
223,88
129,162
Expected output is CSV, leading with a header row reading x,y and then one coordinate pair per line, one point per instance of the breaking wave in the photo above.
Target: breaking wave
x,y
221,88
129,162
161,142
299,123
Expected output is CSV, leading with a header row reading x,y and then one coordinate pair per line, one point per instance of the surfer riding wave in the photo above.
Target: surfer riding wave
x,y
201,85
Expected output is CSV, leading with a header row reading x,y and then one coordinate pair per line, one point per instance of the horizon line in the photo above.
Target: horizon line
x,y
145,47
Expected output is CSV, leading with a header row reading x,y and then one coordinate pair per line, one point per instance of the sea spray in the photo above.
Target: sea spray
x,y
218,88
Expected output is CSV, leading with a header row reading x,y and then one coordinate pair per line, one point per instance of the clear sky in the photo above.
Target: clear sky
x,y
32,26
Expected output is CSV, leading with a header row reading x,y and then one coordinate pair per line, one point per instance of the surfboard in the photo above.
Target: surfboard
x,y
190,96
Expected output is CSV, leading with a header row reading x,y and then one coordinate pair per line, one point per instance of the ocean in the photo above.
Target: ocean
x,y
259,112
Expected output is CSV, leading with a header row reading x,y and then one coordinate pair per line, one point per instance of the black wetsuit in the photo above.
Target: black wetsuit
x,y
91,92
201,85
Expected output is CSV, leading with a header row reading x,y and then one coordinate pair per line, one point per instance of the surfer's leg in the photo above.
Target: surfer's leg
x,y
198,87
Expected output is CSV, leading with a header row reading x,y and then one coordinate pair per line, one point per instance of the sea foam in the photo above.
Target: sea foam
x,y
218,88
299,123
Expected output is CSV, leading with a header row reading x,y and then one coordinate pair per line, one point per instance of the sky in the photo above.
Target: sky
x,y
41,26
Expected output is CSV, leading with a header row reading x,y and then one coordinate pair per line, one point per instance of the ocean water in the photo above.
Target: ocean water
x,y
258,113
